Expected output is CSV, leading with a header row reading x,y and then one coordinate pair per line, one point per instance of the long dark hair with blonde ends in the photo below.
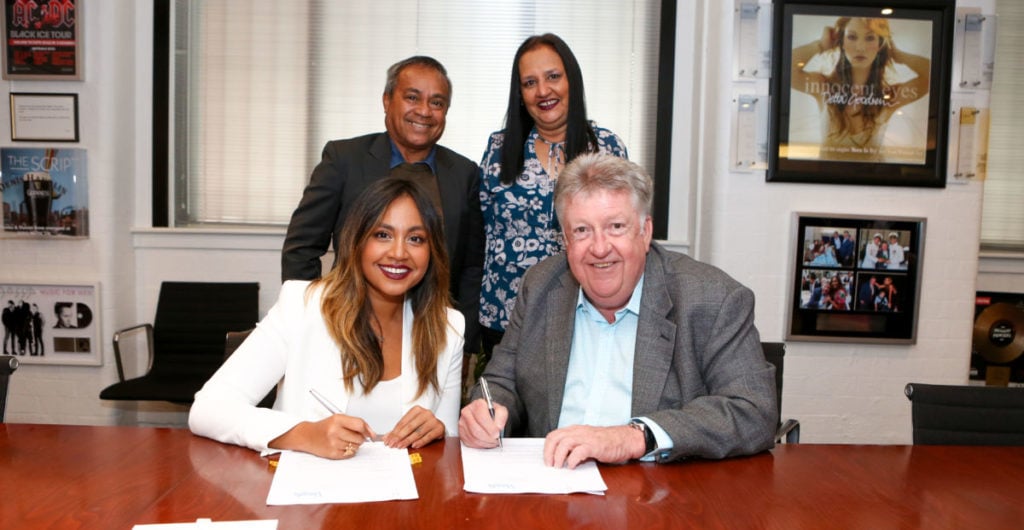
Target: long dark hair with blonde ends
x,y
345,304
876,85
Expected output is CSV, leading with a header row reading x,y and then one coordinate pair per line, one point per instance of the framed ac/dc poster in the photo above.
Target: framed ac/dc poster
x,y
42,39
860,92
856,278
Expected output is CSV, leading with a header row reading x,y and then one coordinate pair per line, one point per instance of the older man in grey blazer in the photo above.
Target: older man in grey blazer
x,y
620,349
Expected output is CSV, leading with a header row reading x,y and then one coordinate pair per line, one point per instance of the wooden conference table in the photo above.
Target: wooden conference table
x,y
64,477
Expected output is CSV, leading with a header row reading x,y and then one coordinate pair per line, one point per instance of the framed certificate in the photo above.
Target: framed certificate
x,y
44,117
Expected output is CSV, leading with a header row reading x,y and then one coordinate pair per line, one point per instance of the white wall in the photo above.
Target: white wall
x,y
839,392
108,103
842,393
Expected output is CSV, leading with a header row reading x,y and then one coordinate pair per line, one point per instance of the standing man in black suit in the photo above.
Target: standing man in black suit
x,y
416,99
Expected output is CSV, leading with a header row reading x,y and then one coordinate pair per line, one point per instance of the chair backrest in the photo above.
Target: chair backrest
x,y
235,339
788,429
966,415
192,318
775,353
8,364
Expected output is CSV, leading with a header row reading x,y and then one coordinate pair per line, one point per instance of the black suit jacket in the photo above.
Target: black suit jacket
x,y
345,169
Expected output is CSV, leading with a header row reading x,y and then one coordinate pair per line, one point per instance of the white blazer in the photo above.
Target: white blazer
x,y
292,345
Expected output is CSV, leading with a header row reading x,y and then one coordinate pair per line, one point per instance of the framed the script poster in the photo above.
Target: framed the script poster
x,y
45,193
860,92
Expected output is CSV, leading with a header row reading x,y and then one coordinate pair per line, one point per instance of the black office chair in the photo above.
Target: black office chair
x,y
966,415
232,341
789,430
8,364
186,339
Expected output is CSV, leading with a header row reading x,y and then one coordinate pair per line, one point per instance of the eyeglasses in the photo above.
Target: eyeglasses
x,y
613,230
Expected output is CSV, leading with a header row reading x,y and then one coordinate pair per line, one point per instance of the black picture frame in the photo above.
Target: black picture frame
x,y
44,117
828,127
848,286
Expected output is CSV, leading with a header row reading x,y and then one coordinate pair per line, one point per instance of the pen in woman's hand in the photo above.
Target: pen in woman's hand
x,y
490,405
333,409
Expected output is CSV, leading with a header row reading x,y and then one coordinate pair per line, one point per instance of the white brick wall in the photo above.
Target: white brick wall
x,y
841,393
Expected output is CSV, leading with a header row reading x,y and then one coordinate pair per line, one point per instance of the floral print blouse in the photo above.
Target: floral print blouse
x,y
520,222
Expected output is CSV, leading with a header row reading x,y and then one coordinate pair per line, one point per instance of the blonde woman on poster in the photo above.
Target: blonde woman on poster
x,y
861,82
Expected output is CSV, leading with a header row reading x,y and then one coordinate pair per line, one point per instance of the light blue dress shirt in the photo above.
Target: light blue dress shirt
x,y
599,382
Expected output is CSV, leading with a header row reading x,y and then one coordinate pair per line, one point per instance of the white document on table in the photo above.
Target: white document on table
x,y
376,473
204,524
519,467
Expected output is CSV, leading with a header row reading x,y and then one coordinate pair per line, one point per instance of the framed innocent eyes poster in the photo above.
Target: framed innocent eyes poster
x,y
855,278
860,93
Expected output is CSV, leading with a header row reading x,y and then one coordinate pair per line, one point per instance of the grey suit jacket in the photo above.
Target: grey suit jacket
x,y
699,371
349,166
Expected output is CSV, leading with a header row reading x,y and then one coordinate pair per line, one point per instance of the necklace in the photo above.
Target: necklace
x,y
556,159
556,156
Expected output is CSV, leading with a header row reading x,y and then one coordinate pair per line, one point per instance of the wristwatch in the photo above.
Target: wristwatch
x,y
650,444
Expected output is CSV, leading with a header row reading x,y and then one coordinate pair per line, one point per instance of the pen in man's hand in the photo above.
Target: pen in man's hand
x,y
490,405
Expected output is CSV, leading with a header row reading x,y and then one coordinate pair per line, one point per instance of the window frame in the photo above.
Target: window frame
x,y
998,250
162,124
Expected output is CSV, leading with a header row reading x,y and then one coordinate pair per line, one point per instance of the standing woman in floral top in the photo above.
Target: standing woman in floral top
x,y
546,126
